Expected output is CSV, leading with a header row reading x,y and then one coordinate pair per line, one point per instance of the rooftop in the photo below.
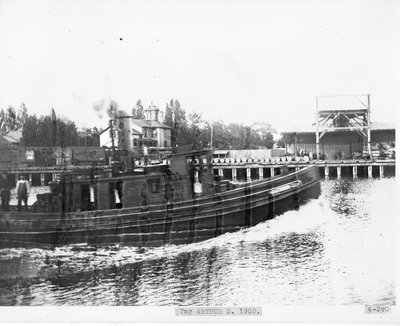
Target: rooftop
x,y
150,123
311,128
13,136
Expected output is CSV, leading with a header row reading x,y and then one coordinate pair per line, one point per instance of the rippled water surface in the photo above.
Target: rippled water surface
x,y
335,250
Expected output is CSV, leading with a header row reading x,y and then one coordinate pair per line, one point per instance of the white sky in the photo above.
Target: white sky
x,y
239,61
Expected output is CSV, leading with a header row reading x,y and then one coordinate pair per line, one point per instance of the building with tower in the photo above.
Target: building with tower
x,y
135,134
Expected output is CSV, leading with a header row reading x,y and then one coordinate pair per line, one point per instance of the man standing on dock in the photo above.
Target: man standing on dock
x,y
22,192
5,187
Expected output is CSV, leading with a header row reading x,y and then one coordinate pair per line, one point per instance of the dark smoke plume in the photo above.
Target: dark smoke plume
x,y
109,107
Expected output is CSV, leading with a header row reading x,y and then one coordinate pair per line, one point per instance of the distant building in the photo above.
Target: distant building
x,y
248,153
339,143
151,132
132,134
342,130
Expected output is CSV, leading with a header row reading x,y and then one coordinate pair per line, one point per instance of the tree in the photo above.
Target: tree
x,y
36,132
281,142
89,137
30,131
22,114
221,137
3,123
187,128
192,129
138,111
9,120
169,116
175,117
266,134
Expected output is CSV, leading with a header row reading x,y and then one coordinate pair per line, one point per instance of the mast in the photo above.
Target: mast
x,y
211,135
112,133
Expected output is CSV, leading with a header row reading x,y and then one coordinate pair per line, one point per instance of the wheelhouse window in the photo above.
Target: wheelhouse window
x,y
154,185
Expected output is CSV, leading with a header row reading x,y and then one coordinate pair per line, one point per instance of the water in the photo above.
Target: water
x,y
338,249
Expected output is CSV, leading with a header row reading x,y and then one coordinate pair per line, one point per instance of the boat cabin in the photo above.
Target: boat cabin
x,y
185,176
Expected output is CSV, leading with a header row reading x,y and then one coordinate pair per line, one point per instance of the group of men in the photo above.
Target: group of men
x,y
22,191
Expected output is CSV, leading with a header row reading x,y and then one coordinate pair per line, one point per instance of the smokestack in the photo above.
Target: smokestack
x,y
124,133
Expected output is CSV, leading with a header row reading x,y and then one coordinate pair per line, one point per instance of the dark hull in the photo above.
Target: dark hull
x,y
176,223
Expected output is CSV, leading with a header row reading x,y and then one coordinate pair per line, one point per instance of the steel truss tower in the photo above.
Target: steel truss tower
x,y
343,112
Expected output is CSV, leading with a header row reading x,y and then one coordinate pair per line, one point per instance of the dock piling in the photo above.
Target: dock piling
x,y
260,173
354,172
266,168
369,171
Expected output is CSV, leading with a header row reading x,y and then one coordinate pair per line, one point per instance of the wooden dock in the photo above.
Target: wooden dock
x,y
245,169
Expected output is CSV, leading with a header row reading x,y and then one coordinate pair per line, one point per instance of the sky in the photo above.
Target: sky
x,y
237,61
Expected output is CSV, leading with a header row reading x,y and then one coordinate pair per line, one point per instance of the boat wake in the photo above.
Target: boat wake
x,y
31,262
309,256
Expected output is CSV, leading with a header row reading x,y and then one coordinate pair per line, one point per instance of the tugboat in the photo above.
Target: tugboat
x,y
178,200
